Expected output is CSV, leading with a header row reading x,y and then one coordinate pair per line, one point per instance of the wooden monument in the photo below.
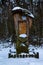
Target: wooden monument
x,y
22,24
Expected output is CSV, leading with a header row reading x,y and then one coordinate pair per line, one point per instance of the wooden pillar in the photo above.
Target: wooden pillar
x,y
16,19
28,30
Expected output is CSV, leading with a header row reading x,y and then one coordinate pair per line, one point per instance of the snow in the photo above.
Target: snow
x,y
22,44
16,8
4,60
31,15
23,54
23,35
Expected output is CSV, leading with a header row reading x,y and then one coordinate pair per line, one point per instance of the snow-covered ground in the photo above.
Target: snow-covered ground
x,y
4,60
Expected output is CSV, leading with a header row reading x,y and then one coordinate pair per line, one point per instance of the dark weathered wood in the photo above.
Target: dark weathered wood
x,y
22,26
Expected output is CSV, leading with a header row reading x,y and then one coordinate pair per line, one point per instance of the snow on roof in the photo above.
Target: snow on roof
x,y
31,15
27,12
19,8
23,35
16,8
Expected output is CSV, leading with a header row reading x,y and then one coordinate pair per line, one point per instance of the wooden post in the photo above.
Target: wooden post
x,y
27,30
16,18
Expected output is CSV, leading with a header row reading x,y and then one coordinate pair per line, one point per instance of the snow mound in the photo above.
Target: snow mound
x,y
23,35
23,54
22,44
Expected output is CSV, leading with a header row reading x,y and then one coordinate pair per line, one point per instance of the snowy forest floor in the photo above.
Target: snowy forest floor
x,y
4,60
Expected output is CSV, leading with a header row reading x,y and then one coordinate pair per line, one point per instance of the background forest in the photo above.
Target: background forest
x,y
6,19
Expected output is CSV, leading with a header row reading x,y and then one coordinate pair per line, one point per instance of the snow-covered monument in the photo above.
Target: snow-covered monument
x,y
22,24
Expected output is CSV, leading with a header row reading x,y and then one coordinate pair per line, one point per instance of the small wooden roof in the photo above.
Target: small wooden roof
x,y
25,11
